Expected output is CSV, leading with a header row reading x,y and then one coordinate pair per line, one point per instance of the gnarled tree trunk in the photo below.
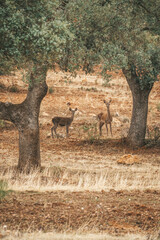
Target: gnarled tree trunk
x,y
137,131
25,116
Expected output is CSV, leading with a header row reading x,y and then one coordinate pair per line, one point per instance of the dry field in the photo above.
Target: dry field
x,y
85,190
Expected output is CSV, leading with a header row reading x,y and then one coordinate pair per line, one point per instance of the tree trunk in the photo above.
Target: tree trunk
x,y
25,117
137,131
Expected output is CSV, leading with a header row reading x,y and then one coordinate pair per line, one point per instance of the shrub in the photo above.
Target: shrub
x,y
50,90
153,136
91,130
2,124
3,189
13,89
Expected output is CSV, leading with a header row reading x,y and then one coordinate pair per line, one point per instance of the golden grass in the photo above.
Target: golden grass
x,y
57,178
16,235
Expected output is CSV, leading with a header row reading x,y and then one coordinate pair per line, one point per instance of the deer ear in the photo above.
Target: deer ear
x,y
76,109
70,109
110,100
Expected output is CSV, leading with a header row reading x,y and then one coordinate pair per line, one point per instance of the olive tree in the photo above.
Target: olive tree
x,y
122,35
34,35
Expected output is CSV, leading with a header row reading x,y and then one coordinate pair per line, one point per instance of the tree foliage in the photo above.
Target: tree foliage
x,y
119,34
77,33
32,32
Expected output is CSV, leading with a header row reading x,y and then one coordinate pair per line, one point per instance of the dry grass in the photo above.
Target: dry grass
x,y
16,235
57,178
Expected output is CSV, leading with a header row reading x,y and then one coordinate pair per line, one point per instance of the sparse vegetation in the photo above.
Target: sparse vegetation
x,y
50,90
153,136
158,107
3,189
2,124
93,89
91,130
13,89
106,84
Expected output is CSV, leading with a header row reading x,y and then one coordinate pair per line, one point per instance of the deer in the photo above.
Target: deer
x,y
105,118
63,121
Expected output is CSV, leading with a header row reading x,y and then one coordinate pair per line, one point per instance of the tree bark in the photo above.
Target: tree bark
x,y
137,130
25,116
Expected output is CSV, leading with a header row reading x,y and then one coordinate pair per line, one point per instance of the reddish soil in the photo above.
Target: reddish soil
x,y
115,212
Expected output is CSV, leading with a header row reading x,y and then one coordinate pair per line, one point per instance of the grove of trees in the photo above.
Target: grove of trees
x,y
37,35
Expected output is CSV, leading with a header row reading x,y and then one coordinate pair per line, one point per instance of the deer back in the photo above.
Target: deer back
x,y
62,121
102,116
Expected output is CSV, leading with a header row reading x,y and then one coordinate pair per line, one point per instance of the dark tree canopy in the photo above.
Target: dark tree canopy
x,y
118,33
33,32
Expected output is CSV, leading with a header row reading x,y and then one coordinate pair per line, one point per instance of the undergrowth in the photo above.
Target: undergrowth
x,y
3,189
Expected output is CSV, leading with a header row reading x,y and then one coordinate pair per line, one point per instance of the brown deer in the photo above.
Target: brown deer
x,y
63,121
105,118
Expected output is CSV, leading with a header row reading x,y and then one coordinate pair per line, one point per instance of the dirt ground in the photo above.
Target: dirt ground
x,y
114,211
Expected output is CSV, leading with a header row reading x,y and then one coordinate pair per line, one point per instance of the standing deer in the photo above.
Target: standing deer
x,y
63,121
105,118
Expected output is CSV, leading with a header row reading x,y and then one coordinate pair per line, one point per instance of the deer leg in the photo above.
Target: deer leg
x,y
54,128
55,125
67,130
111,128
107,128
52,131
100,128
